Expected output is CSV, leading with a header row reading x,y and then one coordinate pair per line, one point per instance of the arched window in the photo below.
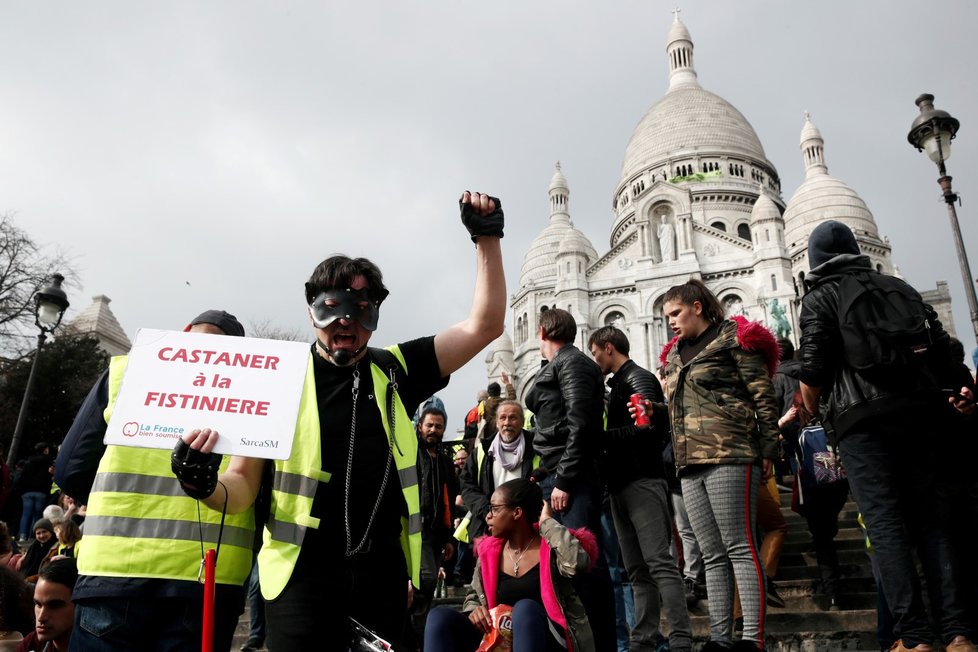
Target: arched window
x,y
743,231
719,226
774,283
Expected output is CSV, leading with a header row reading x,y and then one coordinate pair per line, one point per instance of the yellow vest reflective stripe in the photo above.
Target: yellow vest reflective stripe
x,y
140,523
297,479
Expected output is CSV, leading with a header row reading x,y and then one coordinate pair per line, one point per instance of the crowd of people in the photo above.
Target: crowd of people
x,y
606,502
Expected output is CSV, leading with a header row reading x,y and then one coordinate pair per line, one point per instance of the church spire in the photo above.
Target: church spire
x,y
813,148
559,198
679,48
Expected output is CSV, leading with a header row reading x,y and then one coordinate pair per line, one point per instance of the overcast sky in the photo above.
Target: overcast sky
x,y
192,155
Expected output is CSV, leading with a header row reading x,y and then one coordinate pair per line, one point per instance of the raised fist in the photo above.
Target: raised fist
x,y
482,215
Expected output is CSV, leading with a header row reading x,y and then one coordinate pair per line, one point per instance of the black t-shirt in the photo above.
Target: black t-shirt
x,y
334,391
525,587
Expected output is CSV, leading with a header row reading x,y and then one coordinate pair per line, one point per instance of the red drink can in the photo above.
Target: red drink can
x,y
641,416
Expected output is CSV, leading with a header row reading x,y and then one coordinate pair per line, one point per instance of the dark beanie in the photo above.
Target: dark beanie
x,y
43,524
828,240
223,320
494,389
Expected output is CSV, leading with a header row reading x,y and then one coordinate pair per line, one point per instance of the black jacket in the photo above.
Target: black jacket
x,y
630,452
850,396
786,383
568,401
477,481
439,487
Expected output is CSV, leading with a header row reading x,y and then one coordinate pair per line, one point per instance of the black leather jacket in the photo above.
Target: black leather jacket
x,y
568,401
849,396
631,452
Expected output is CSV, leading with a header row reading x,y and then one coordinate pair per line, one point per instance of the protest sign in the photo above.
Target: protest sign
x,y
245,388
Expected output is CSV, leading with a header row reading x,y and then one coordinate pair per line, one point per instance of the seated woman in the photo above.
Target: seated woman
x,y
527,562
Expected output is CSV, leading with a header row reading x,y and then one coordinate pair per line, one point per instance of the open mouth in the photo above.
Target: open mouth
x,y
344,341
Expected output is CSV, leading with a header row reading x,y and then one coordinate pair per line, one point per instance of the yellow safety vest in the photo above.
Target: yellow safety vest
x,y
297,479
140,523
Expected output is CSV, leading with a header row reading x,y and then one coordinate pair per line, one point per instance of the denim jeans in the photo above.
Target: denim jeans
x,y
34,503
256,608
451,631
892,475
148,625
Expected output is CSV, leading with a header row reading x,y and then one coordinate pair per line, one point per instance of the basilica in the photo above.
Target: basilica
x,y
697,197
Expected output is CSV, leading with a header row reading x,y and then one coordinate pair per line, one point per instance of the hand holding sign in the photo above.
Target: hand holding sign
x,y
195,465
247,388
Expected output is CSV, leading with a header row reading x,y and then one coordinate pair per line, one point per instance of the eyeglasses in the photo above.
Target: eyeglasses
x,y
495,508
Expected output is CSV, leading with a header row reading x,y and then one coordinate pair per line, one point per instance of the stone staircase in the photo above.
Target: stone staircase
x,y
805,624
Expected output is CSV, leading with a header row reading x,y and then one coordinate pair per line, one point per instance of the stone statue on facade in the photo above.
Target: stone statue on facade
x,y
782,328
667,241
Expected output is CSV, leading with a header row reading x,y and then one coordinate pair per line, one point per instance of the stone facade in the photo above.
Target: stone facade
x,y
98,320
697,197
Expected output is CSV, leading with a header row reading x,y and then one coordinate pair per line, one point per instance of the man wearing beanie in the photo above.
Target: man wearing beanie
x,y
885,419
138,583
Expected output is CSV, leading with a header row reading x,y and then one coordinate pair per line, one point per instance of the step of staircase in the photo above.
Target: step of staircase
x,y
805,624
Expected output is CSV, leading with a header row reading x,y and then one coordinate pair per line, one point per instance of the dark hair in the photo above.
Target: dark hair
x,y
6,543
694,290
558,325
16,602
525,494
431,409
494,389
610,335
42,446
338,271
60,571
787,349
957,350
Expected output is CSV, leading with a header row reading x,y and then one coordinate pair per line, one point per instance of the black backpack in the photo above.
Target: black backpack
x,y
886,327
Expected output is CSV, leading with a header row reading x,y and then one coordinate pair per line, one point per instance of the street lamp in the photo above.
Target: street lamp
x,y
49,307
932,131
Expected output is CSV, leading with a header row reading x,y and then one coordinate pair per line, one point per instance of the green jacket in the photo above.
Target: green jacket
x,y
721,403
570,552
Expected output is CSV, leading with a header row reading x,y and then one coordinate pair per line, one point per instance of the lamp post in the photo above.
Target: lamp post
x,y
932,131
49,307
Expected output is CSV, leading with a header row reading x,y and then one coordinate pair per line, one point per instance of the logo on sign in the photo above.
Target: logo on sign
x,y
131,429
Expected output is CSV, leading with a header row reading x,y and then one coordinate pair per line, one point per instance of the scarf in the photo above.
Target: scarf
x,y
509,455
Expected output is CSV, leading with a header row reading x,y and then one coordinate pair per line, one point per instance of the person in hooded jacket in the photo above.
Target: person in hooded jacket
x,y
889,430
44,540
725,439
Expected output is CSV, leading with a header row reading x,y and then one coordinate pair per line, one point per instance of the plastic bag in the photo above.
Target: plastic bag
x,y
500,639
